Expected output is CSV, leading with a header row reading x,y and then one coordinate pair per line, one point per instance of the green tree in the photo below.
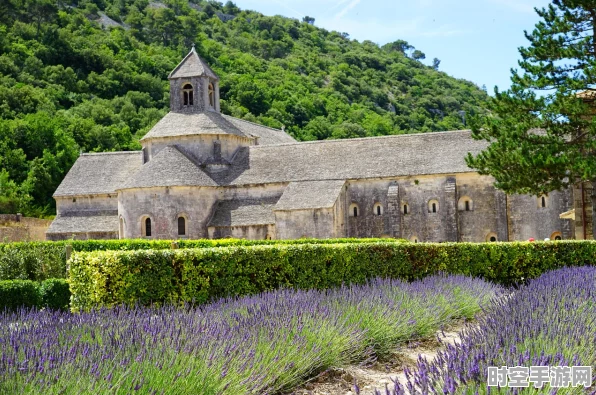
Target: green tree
x,y
542,133
418,55
436,63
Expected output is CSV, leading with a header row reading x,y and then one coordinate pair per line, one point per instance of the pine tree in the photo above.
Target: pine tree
x,y
542,131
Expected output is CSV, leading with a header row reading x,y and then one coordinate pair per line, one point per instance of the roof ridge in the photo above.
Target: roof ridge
x,y
253,123
363,138
109,153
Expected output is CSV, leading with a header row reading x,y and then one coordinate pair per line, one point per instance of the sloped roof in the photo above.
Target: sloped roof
x,y
266,135
92,222
169,167
244,212
99,173
179,124
372,157
305,195
192,66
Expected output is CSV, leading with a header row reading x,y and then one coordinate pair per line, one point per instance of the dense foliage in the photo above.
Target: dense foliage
x,y
108,278
254,345
543,136
90,75
47,259
53,294
550,322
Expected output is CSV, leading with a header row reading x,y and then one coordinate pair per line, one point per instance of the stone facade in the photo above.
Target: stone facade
x,y
202,174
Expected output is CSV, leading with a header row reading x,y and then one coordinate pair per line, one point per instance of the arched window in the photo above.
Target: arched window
x,y
405,208
181,226
353,210
146,227
268,237
211,95
378,209
414,239
433,206
542,201
465,204
187,95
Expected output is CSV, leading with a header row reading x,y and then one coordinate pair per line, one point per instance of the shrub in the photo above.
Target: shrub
x,y
19,293
42,260
55,294
154,276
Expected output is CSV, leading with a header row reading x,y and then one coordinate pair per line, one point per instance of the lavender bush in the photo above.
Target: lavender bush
x,y
549,322
259,344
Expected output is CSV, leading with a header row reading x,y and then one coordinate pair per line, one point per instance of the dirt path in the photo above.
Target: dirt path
x,y
341,381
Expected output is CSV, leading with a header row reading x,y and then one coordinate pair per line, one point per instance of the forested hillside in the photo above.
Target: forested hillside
x,y
91,75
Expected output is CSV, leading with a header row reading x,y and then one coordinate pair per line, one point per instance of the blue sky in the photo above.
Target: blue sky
x,y
475,40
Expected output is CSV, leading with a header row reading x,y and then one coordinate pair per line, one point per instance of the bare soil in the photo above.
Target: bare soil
x,y
338,381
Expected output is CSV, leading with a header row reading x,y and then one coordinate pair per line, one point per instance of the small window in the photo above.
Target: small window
x,y
353,210
543,201
211,95
268,237
147,227
556,236
492,237
378,209
414,239
405,208
181,226
465,204
74,200
433,206
187,94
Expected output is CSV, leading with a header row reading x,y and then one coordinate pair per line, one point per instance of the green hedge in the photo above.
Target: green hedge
x,y
39,261
52,293
154,276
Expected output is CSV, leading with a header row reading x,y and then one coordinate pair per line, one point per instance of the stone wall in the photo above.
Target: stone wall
x,y
527,219
15,227
315,223
255,232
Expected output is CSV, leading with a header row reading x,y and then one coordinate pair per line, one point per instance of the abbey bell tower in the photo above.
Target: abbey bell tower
x,y
194,87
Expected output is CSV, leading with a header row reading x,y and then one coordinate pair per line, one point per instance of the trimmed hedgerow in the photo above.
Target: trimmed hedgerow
x,y
52,293
39,261
155,276
19,293
55,294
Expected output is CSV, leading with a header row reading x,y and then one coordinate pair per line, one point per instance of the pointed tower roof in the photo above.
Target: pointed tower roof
x,y
192,66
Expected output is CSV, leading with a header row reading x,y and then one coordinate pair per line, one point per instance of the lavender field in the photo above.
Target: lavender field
x,y
260,344
549,322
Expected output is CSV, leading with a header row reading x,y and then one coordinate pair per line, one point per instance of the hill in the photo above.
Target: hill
x,y
92,76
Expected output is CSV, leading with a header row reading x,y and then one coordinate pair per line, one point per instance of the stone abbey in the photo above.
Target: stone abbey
x,y
203,174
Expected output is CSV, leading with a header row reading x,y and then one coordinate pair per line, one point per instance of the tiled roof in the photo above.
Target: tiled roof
x,y
244,212
192,66
207,122
266,135
373,157
310,195
86,222
99,173
169,167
